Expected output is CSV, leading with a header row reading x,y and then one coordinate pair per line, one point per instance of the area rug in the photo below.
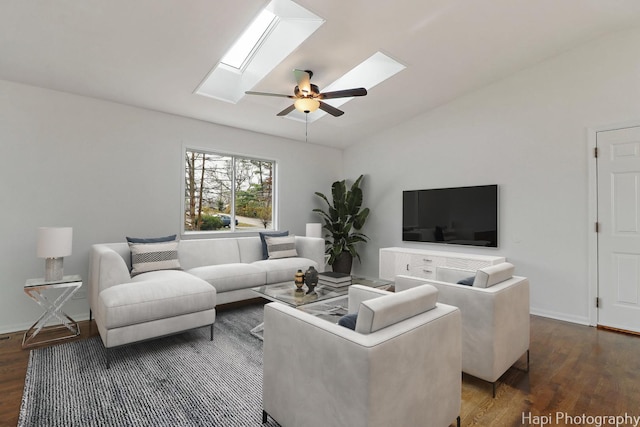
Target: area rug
x,y
181,380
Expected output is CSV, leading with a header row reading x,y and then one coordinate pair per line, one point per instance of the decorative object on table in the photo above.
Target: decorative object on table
x,y
333,279
343,220
298,299
314,229
311,278
54,243
299,280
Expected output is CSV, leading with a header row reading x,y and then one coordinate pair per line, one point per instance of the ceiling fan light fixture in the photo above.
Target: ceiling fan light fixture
x,y
306,105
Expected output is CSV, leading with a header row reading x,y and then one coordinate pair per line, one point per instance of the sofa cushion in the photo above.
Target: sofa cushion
x,y
230,277
153,256
263,234
283,270
281,247
201,252
155,297
250,249
492,275
377,313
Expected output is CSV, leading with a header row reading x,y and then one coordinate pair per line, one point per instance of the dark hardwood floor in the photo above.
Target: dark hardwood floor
x,y
575,371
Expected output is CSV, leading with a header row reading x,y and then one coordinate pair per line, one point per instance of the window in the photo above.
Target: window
x,y
227,193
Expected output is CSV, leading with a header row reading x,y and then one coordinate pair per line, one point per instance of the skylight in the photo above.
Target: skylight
x,y
274,34
242,50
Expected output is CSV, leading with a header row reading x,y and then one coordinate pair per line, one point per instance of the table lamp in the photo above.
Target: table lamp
x,y
314,229
54,243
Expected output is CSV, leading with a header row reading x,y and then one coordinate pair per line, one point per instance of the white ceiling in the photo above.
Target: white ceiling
x,y
154,53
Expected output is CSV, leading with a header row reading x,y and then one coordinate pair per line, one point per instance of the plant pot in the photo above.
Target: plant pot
x,y
343,263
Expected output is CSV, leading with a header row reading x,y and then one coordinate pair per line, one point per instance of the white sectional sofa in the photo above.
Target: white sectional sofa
x,y
212,272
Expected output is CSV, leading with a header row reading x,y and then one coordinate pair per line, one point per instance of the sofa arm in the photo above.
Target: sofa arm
x,y
106,269
359,293
402,282
312,248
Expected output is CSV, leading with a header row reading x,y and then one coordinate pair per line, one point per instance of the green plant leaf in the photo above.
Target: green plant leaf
x,y
322,196
360,218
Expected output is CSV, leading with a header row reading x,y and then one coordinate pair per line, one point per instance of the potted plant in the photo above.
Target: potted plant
x,y
343,219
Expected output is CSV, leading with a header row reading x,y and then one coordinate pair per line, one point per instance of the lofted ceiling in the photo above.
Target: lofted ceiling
x,y
154,53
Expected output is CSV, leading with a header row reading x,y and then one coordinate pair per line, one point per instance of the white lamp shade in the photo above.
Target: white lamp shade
x,y
54,242
314,229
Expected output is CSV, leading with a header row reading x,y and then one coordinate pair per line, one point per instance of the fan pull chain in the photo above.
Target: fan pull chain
x,y
306,127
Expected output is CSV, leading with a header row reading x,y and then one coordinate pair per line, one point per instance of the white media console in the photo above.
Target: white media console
x,y
423,263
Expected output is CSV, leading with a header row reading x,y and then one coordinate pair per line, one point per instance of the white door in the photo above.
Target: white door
x,y
618,169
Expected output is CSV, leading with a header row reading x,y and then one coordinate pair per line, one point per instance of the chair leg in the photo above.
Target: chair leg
x,y
494,388
264,416
458,421
527,361
211,339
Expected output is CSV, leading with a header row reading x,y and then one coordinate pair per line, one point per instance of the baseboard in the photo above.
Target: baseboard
x,y
581,320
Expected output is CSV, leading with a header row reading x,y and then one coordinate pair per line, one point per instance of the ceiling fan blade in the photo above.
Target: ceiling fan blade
x,y
280,95
346,93
303,78
330,109
287,110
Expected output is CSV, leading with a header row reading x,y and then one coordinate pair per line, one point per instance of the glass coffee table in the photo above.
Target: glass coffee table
x,y
324,301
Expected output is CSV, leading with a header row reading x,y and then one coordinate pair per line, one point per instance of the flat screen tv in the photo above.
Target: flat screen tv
x,y
460,216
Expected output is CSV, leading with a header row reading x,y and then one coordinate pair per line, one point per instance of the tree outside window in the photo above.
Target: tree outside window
x,y
224,192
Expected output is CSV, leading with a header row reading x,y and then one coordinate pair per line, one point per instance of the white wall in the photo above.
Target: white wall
x,y
528,134
109,171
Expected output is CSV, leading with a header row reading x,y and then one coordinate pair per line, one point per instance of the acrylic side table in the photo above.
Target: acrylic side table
x,y
37,289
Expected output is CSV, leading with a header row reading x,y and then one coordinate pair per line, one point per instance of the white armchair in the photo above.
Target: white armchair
x,y
495,316
399,367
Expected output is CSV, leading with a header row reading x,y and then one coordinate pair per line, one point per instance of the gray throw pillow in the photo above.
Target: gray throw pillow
x,y
265,252
349,321
468,281
151,239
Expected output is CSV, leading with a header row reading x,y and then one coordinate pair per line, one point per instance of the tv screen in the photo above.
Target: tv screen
x,y
461,216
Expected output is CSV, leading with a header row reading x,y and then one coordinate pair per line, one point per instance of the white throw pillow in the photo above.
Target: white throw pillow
x,y
147,257
281,247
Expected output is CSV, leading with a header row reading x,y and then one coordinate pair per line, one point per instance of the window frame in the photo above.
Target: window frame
x,y
232,230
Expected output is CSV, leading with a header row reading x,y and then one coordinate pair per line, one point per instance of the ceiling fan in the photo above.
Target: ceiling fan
x,y
308,97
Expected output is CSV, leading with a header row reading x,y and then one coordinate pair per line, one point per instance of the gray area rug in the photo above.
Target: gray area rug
x,y
181,380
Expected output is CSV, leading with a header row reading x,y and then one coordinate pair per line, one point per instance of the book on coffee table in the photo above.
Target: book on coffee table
x,y
333,279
